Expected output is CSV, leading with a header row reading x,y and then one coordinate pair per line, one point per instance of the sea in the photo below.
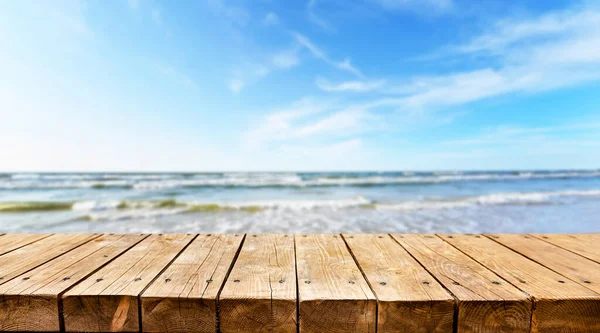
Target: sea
x,y
558,201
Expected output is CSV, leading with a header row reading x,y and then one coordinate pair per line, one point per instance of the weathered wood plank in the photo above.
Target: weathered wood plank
x,y
184,297
566,263
560,305
333,294
31,301
107,301
26,258
409,298
14,241
260,293
486,303
587,245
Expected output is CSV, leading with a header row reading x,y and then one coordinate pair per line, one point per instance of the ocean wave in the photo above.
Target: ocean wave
x,y
149,182
22,207
171,206
494,199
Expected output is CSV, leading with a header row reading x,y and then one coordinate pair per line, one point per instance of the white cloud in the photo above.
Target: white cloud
x,y
512,32
349,86
286,59
255,71
324,152
565,52
236,85
344,65
235,15
176,75
318,21
502,135
271,19
308,120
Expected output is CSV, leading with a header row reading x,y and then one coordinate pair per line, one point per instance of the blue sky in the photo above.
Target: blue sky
x,y
299,85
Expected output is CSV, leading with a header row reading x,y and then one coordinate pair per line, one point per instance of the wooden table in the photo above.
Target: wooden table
x,y
299,283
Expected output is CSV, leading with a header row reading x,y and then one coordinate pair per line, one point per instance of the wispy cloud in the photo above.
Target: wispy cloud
x,y
309,120
250,73
565,52
236,85
271,19
313,17
320,22
506,134
175,75
234,14
286,59
349,86
344,65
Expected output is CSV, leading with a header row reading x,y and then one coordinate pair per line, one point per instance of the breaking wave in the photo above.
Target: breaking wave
x,y
257,180
137,209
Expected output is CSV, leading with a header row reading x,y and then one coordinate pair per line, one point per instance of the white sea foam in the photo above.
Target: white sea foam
x,y
91,205
115,210
494,199
165,181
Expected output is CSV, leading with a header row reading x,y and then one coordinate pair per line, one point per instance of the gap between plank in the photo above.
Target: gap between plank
x,y
139,296
368,282
37,240
551,243
531,298
237,253
61,316
297,289
50,259
456,301
539,263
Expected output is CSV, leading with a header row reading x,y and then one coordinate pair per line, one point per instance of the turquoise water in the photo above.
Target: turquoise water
x,y
507,201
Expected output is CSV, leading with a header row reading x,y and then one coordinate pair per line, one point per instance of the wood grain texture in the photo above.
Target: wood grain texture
x,y
409,298
31,301
486,303
184,297
107,301
21,260
333,294
559,306
586,245
14,241
575,267
260,293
